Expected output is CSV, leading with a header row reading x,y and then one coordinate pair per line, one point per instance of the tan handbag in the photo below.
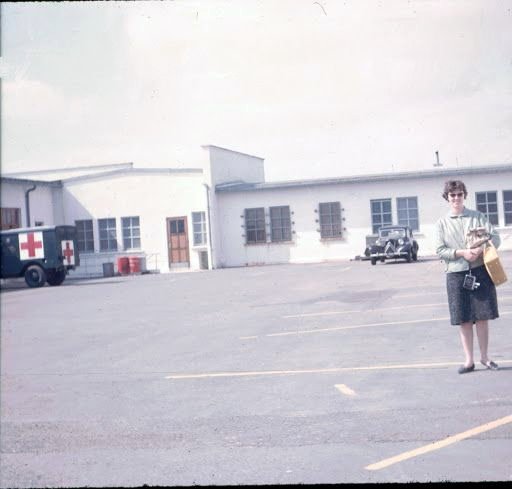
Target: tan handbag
x,y
493,264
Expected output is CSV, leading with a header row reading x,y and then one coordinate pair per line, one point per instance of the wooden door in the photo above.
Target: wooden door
x,y
177,241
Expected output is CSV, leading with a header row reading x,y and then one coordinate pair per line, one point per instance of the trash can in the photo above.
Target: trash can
x,y
134,262
123,265
108,269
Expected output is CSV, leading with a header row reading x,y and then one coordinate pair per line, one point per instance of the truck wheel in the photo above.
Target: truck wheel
x,y
56,277
35,276
374,261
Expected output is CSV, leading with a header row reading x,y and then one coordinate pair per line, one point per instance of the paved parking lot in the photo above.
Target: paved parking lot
x,y
321,373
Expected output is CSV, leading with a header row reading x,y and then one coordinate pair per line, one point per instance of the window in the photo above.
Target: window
x,y
108,236
381,214
507,205
177,226
487,203
131,232
280,223
199,228
255,225
84,236
10,218
408,212
330,220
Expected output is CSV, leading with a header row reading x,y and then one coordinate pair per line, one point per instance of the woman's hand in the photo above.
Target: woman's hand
x,y
470,254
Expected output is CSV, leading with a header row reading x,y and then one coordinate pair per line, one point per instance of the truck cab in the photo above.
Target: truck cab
x,y
39,254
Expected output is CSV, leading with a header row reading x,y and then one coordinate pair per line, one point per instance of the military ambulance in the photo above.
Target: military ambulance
x,y
40,254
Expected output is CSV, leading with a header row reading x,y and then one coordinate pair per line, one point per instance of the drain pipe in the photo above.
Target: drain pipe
x,y
27,204
209,223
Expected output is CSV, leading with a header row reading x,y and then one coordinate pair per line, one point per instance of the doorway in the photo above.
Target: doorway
x,y
177,242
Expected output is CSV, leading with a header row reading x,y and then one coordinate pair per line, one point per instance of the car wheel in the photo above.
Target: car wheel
x,y
35,276
415,256
382,260
409,256
57,277
374,261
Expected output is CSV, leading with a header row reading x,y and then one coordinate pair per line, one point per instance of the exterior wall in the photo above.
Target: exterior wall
x,y
44,202
221,166
306,245
229,166
58,206
152,197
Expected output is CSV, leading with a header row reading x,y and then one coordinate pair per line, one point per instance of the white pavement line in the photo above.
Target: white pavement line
x,y
329,313
338,328
247,337
251,374
315,371
440,444
345,390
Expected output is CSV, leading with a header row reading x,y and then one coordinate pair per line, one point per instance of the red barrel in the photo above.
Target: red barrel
x,y
123,265
134,264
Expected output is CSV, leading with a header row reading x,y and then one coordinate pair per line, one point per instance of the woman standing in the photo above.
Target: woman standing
x,y
467,306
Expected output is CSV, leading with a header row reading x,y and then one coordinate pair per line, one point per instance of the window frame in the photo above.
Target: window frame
x,y
255,224
280,225
407,209
111,234
507,214
491,216
10,218
200,237
330,221
381,213
82,236
130,232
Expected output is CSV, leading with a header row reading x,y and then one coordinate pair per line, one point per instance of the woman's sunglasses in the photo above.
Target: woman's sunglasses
x,y
460,194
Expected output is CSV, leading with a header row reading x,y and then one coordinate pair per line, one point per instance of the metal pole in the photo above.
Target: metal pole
x,y
209,223
27,204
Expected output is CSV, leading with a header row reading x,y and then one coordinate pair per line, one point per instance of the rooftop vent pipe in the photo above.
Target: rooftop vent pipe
x,y
437,160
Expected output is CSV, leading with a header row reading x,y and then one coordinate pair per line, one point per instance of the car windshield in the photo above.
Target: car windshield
x,y
392,233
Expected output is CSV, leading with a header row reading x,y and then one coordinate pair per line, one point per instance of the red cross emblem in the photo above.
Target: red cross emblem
x,y
31,245
68,252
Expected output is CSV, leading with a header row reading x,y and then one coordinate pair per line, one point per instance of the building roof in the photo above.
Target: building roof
x,y
238,186
133,171
63,173
59,179
25,181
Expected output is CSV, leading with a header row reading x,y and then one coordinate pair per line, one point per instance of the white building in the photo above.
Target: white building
x,y
224,214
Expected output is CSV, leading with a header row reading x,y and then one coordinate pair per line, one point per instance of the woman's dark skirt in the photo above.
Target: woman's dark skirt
x,y
468,306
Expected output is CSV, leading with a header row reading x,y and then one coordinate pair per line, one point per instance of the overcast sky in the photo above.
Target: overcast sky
x,y
318,89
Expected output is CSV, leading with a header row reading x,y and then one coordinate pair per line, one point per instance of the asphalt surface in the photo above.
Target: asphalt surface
x,y
287,374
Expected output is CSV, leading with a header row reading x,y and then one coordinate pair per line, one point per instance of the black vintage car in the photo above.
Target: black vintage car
x,y
394,242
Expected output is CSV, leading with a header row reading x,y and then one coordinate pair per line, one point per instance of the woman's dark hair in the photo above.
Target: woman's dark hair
x,y
452,186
